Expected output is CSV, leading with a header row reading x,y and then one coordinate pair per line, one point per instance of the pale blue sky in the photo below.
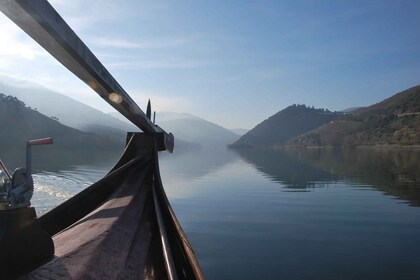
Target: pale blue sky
x,y
233,62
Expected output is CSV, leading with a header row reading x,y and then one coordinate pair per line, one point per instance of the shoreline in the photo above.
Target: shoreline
x,y
377,146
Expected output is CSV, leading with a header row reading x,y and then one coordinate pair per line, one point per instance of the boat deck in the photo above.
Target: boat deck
x,y
117,240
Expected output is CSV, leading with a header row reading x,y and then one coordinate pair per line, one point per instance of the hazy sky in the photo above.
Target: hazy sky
x,y
233,62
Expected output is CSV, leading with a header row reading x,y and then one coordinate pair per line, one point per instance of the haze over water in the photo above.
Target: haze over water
x,y
283,214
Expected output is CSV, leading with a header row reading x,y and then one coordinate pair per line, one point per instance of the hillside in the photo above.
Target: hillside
x,y
69,111
191,130
394,121
194,129
21,123
239,131
285,125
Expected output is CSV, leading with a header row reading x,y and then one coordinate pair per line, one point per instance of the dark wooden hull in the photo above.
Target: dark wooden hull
x,y
111,230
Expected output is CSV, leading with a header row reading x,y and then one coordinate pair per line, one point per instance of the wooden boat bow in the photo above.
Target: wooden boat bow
x,y
121,226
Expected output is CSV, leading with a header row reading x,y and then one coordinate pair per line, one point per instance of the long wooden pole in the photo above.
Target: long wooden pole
x,y
42,22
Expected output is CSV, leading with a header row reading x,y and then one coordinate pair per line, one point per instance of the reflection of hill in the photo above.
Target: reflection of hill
x,y
186,170
285,166
195,163
393,171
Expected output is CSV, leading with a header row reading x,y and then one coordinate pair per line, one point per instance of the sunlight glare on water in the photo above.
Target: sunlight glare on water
x,y
53,188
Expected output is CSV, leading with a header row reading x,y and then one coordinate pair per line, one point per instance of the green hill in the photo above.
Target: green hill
x,y
20,123
68,111
285,125
394,121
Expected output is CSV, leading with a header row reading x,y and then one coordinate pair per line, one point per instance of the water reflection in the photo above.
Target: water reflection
x,y
54,159
393,171
288,167
181,169
196,162
317,216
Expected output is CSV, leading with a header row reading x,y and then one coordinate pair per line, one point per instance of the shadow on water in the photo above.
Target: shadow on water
x,y
392,171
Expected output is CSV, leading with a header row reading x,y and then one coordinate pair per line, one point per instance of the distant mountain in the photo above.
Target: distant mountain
x,y
68,111
191,130
394,121
194,129
239,131
20,123
179,143
285,125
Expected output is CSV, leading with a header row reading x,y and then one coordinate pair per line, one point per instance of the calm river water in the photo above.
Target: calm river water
x,y
281,214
